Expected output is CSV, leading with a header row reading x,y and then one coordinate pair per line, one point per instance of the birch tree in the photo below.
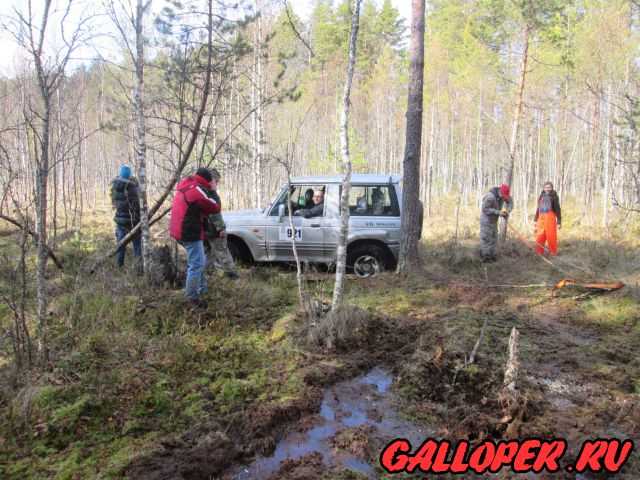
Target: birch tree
x,y
341,262
136,53
141,146
31,30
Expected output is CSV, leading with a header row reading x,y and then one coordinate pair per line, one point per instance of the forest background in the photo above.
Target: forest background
x,y
277,83
549,85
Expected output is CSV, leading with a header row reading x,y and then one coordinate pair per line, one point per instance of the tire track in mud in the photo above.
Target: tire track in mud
x,y
582,402
353,413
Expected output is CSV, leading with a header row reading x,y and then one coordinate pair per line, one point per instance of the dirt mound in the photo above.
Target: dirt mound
x,y
200,458
353,332
345,329
327,373
301,468
260,427
444,376
206,451
468,398
355,440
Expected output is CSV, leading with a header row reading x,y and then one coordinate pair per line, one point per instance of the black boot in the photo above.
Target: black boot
x,y
201,304
232,275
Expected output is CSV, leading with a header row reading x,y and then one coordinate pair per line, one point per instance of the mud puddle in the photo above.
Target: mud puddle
x,y
362,404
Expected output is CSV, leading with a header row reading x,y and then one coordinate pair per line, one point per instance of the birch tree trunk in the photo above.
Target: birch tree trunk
x,y
42,174
141,147
411,166
341,262
605,169
517,113
41,208
257,107
302,294
479,152
254,112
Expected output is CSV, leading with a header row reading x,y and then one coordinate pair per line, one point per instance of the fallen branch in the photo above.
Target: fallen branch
x,y
477,345
127,238
482,285
513,364
52,255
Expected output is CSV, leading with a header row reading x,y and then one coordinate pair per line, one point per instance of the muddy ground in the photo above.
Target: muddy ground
x,y
578,380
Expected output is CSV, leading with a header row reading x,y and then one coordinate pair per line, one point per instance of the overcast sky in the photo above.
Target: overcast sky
x,y
9,48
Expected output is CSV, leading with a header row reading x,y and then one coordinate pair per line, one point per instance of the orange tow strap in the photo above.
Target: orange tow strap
x,y
598,287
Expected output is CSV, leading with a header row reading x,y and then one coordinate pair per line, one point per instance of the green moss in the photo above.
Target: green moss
x,y
68,416
122,451
194,409
282,326
613,311
48,398
155,403
132,427
70,464
96,343
636,385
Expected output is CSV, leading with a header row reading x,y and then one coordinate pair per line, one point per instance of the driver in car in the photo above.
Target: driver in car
x,y
318,206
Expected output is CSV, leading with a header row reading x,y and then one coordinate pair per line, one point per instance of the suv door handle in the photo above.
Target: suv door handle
x,y
315,225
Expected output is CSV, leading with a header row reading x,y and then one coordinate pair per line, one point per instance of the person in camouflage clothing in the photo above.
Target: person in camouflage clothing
x,y
495,204
216,235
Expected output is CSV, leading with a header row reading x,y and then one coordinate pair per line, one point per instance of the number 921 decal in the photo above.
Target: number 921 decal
x,y
287,233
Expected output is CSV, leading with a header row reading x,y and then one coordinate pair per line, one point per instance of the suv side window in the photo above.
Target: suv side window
x,y
373,200
301,196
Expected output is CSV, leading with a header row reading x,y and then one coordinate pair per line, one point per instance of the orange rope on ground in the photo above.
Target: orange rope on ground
x,y
601,287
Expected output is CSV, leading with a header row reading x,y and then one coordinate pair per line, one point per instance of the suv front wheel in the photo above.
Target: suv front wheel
x,y
367,260
239,251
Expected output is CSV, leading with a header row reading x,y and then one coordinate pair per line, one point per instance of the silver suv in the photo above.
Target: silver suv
x,y
375,204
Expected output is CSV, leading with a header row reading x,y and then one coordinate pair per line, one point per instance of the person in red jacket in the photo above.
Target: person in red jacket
x,y
547,220
190,207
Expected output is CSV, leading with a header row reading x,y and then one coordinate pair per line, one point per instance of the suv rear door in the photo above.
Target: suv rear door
x,y
374,215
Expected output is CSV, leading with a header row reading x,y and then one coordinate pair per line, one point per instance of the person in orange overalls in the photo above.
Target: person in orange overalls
x,y
547,220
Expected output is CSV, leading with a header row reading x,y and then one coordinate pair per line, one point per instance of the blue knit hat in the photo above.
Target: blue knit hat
x,y
125,172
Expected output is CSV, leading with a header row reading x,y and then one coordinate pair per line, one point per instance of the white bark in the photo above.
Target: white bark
x,y
46,89
607,154
141,146
302,297
341,262
513,363
257,106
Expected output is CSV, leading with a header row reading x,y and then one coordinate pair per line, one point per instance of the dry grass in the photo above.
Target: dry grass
x,y
348,326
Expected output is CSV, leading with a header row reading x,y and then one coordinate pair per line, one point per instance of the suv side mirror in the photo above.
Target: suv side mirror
x,y
281,212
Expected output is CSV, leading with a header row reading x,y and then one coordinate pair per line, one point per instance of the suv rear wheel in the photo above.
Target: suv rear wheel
x,y
367,260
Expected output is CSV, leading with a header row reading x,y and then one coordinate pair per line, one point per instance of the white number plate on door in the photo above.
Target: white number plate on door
x,y
287,233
